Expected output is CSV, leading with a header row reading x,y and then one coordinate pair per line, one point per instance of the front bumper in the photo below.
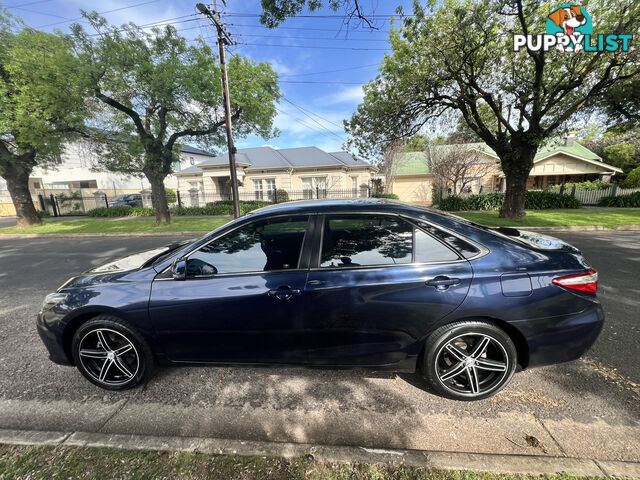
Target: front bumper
x,y
52,341
561,339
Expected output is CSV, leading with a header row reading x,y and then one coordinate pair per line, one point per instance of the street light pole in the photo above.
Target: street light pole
x,y
225,39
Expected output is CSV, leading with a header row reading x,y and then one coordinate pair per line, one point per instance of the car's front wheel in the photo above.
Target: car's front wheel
x,y
111,354
469,360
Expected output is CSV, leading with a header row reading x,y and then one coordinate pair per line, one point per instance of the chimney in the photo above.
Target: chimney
x,y
570,138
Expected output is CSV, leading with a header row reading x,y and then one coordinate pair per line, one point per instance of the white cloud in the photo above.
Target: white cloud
x,y
353,94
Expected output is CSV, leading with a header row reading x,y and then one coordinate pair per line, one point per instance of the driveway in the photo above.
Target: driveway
x,y
588,408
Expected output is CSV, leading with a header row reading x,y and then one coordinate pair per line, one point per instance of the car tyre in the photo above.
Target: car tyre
x,y
469,360
111,354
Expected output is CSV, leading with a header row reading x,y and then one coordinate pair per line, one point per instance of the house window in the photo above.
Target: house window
x,y
354,186
270,185
192,161
176,166
257,188
314,187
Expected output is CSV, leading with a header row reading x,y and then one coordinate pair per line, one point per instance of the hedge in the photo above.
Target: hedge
x,y
218,208
392,196
493,201
631,200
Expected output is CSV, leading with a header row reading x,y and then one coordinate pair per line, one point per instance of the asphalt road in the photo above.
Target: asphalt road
x,y
588,408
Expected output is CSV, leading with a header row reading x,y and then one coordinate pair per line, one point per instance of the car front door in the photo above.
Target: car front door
x,y
241,301
377,284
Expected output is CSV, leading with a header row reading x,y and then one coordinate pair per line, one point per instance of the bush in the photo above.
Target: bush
x,y
631,200
170,194
453,203
392,196
43,214
122,211
224,207
548,200
493,201
588,185
633,179
282,196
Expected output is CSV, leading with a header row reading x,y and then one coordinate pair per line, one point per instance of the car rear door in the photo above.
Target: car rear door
x,y
242,299
377,284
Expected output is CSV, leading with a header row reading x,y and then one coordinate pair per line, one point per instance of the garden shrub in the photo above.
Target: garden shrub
x,y
631,200
493,201
549,200
43,214
588,185
116,211
392,196
633,179
281,196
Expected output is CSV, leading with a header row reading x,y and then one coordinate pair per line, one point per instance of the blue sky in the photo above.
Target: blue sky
x,y
298,50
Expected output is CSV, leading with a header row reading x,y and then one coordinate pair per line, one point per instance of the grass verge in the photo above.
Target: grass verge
x,y
559,218
57,463
120,225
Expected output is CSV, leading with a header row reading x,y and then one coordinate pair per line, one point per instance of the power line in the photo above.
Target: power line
x,y
27,4
313,38
372,17
323,47
308,28
160,23
303,110
329,82
314,120
331,71
99,13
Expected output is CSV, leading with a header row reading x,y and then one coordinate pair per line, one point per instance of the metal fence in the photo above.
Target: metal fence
x,y
71,203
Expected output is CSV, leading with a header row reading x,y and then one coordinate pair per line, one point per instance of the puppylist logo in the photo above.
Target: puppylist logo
x,y
569,29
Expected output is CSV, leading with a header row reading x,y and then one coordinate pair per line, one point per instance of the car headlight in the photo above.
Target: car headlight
x,y
52,300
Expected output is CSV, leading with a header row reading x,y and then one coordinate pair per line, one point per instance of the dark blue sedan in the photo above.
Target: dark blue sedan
x,y
359,283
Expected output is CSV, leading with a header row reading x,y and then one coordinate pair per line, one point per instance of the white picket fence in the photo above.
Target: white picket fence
x,y
592,197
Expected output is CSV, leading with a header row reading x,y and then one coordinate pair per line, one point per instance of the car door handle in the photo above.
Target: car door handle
x,y
284,293
442,282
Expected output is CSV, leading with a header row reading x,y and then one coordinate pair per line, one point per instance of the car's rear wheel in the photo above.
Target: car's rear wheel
x,y
469,360
111,354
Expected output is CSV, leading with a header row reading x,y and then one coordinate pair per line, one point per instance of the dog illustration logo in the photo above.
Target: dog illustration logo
x,y
572,22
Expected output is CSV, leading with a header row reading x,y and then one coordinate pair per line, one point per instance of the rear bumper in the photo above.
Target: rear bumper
x,y
51,342
561,339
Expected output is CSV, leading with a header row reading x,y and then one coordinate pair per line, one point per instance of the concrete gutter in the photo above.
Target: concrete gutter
x,y
569,228
499,464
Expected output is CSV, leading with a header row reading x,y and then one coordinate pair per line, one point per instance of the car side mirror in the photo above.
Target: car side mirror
x,y
179,269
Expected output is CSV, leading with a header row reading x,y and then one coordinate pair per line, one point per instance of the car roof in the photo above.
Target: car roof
x,y
338,206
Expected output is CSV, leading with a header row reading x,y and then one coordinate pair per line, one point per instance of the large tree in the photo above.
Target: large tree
x,y
458,56
160,91
42,103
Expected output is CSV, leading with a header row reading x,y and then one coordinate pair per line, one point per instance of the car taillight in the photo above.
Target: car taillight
x,y
582,282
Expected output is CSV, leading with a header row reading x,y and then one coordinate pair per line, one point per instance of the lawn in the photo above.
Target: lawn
x,y
546,218
57,463
122,225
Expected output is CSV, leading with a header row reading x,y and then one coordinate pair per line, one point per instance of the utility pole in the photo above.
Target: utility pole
x,y
225,39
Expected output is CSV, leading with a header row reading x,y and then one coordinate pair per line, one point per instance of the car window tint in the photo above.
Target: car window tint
x,y
466,249
259,246
428,249
358,240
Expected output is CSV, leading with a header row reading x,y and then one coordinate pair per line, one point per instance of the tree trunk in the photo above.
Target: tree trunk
x,y
159,199
18,185
516,165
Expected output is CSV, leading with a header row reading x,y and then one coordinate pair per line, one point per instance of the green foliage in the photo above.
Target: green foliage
x,y
633,179
392,196
588,185
224,207
121,211
632,200
493,201
43,214
157,90
281,196
170,194
621,154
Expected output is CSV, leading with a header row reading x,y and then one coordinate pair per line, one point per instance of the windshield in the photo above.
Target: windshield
x,y
142,259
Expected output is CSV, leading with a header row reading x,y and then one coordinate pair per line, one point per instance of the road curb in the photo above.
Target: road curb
x,y
492,463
